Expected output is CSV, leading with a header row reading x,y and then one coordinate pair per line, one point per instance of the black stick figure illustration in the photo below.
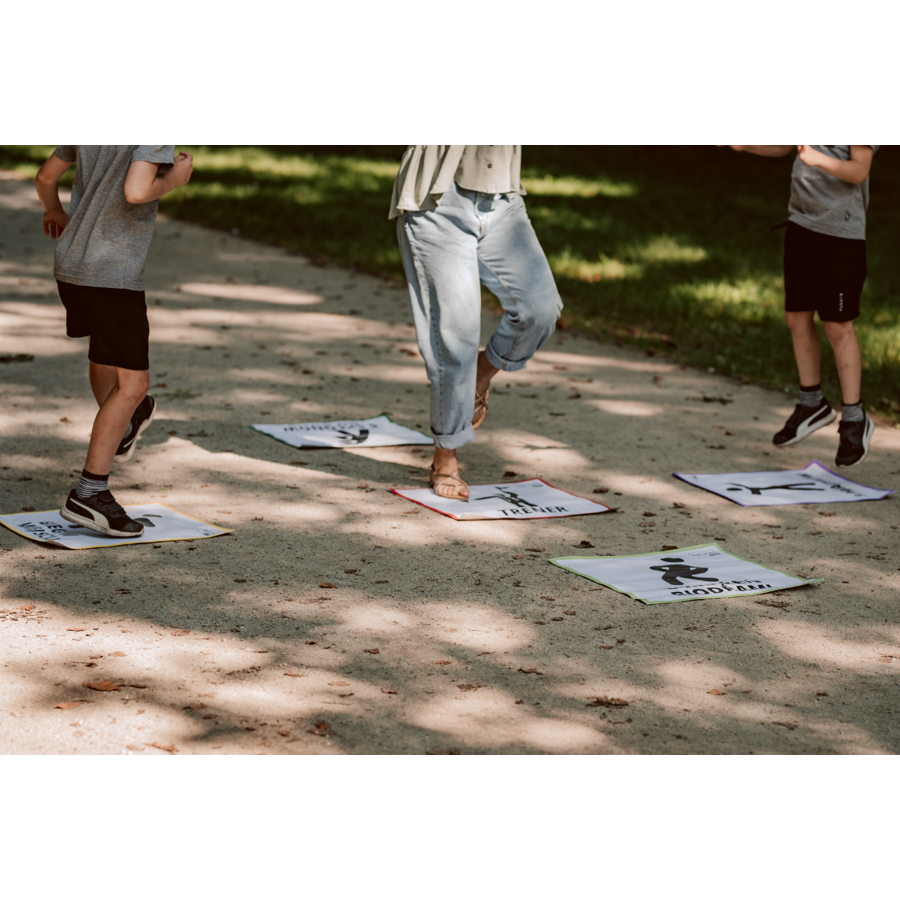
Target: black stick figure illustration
x,y
757,491
348,437
146,519
511,497
673,574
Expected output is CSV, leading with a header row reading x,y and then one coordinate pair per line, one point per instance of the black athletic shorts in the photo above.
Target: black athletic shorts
x,y
115,319
822,273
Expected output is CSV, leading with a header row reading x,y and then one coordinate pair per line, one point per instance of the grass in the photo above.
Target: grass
x,y
662,247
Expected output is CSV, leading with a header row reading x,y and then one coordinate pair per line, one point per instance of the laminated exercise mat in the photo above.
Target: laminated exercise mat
x,y
814,484
690,573
379,431
161,523
532,499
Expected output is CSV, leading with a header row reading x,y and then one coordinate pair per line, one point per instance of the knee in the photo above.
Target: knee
x,y
542,316
839,332
134,385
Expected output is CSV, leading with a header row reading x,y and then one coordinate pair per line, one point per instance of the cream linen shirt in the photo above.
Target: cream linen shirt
x,y
427,170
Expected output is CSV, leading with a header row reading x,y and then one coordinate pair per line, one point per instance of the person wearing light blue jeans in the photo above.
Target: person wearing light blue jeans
x,y
456,239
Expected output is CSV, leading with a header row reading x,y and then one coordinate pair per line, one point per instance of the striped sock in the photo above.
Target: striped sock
x,y
852,412
91,484
812,395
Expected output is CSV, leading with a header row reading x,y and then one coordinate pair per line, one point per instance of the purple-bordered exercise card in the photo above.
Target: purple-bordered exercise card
x,y
813,484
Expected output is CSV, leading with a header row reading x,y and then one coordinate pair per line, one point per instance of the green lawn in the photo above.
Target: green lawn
x,y
663,247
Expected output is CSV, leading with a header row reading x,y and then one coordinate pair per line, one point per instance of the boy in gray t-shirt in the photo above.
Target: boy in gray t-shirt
x,y
824,272
100,254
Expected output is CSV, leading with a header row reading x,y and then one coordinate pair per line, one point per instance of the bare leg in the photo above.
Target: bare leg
x,y
847,357
103,380
445,466
113,417
483,375
807,346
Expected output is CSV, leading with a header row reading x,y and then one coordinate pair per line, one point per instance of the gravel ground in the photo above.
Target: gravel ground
x,y
436,636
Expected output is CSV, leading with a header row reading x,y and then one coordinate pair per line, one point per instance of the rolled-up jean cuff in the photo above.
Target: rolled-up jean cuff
x,y
499,363
455,441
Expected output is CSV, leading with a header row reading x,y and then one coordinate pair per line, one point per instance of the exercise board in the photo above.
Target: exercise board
x,y
690,573
379,431
161,523
814,484
532,499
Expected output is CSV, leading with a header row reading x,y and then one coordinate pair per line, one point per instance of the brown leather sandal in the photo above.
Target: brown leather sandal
x,y
481,408
451,493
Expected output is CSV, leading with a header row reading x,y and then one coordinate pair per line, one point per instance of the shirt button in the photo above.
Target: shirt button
x,y
490,165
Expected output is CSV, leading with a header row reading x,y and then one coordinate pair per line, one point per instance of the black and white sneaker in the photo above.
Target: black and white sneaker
x,y
141,418
803,422
100,513
854,446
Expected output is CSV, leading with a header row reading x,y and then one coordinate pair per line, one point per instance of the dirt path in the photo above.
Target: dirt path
x,y
438,636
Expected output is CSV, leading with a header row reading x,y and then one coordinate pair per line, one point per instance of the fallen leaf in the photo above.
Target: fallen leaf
x,y
65,419
325,584
134,684
350,694
284,732
322,729
535,550
716,692
196,706
608,647
27,509
383,691
209,715
240,580
608,702
296,674
509,474
91,665
585,544
601,490
374,651
670,546
556,619
650,514
70,704
450,751
826,513
135,747
444,662
350,571
180,632
789,725
72,629
311,643
530,672
101,686
169,748
569,612
117,653
29,606
620,640
776,604
469,687
821,693
517,557
339,683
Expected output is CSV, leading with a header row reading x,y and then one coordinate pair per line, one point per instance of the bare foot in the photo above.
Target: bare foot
x,y
483,378
445,477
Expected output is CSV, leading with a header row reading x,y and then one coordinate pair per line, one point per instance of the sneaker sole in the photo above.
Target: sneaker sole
x,y
867,437
826,421
130,451
75,519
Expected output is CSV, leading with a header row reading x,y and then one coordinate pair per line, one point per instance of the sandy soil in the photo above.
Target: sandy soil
x,y
422,643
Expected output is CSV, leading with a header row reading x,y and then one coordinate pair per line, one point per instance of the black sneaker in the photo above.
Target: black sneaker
x,y
100,513
141,418
854,446
803,422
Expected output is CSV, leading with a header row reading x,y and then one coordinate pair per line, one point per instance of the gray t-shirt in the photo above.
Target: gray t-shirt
x,y
823,203
106,239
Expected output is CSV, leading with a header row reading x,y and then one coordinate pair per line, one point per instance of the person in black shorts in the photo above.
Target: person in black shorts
x,y
99,268
824,273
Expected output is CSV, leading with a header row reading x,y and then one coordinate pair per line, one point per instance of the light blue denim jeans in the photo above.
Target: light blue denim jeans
x,y
448,253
